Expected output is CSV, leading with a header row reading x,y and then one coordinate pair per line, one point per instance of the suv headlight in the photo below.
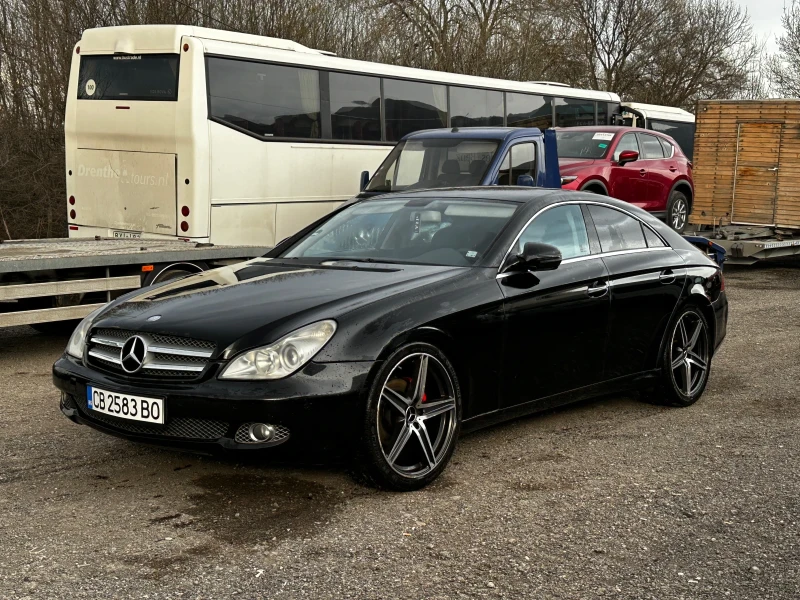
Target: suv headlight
x,y
284,357
77,340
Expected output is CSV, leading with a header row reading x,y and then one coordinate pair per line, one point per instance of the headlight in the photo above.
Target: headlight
x,y
284,357
78,338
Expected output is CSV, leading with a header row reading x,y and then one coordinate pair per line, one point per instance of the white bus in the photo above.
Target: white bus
x,y
214,136
675,122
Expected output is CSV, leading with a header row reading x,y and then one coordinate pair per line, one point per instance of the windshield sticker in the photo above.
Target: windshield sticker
x,y
602,145
472,254
91,86
602,135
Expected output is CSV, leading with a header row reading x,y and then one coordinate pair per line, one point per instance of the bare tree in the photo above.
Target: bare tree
x,y
785,67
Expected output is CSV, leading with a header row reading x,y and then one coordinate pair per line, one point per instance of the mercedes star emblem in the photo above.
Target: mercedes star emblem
x,y
133,353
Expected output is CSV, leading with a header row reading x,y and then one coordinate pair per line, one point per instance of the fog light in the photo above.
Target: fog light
x,y
260,432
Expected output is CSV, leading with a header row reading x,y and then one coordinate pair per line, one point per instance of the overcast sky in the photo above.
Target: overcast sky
x,y
766,18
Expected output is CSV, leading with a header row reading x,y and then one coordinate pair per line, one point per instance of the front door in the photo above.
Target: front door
x,y
756,178
628,182
555,321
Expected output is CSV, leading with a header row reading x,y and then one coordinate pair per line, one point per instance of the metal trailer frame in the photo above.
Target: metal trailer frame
x,y
40,269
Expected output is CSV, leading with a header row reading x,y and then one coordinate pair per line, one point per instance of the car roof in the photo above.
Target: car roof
x,y
476,133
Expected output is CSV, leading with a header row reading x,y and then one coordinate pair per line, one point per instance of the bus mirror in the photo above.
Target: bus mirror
x,y
526,180
364,181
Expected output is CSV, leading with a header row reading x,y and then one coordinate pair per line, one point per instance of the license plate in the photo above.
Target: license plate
x,y
127,234
126,406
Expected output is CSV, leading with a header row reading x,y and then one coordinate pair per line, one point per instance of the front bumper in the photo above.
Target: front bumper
x,y
321,407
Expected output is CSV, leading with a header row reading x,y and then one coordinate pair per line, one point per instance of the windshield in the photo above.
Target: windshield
x,y
453,232
431,163
129,77
583,144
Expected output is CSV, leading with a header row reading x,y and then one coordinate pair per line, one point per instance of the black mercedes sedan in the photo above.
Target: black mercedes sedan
x,y
395,323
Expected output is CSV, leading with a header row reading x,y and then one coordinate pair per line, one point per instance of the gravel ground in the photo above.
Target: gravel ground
x,y
609,498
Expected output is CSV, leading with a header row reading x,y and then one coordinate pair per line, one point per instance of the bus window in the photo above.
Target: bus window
x,y
355,107
683,133
267,100
411,106
572,113
475,108
527,110
129,77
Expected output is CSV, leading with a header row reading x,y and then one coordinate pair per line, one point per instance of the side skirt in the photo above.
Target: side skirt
x,y
621,384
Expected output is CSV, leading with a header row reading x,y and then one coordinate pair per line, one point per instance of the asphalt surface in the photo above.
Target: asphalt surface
x,y
609,498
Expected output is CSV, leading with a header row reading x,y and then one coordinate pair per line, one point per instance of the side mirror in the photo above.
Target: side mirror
x,y
526,180
627,156
364,181
535,257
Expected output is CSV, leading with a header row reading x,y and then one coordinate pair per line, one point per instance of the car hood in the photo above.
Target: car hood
x,y
570,165
259,301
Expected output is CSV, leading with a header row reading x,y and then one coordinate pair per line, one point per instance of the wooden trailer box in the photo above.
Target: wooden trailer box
x,y
747,163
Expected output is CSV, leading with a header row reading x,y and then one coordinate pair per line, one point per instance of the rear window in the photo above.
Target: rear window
x,y
129,77
583,144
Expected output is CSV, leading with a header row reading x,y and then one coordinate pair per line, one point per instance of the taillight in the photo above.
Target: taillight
x,y
184,226
185,211
72,214
72,199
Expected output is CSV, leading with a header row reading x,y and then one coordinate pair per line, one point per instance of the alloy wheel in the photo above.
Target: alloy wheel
x,y
689,354
679,212
416,415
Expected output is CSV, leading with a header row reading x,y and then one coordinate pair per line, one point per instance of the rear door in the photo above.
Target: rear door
x,y
646,278
756,178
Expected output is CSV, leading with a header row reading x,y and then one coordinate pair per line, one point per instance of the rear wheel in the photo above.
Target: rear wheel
x,y
685,361
412,420
678,211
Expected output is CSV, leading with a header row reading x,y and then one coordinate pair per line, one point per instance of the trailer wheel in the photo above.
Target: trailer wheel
x,y
678,211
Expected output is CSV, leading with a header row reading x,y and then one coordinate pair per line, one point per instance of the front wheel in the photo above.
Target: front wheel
x,y
685,360
678,211
412,420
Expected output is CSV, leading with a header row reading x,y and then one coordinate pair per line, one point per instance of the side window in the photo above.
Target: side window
x,y
519,160
410,106
562,227
267,100
628,142
616,230
355,107
523,161
651,147
653,241
669,149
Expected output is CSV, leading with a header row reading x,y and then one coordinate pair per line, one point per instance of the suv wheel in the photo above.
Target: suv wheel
x,y
678,211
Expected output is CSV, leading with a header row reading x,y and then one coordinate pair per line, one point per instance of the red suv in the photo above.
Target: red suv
x,y
645,168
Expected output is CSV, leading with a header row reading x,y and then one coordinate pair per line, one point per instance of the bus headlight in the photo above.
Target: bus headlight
x,y
284,357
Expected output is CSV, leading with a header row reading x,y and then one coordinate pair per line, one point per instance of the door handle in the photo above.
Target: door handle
x,y
598,289
667,276
673,168
642,172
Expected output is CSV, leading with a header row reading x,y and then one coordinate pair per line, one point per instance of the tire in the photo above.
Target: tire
x,y
685,347
409,435
678,209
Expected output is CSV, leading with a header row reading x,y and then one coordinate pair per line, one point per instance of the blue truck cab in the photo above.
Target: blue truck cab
x,y
469,156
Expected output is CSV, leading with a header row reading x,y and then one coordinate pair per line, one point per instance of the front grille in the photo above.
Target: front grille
x,y
179,427
167,356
